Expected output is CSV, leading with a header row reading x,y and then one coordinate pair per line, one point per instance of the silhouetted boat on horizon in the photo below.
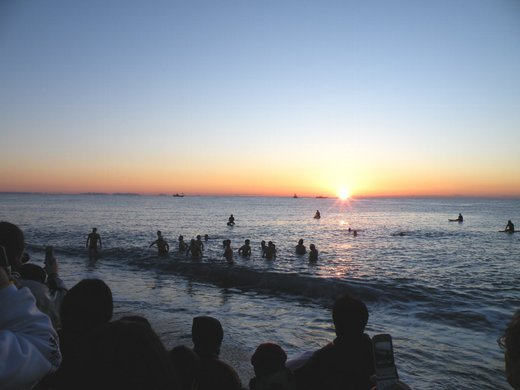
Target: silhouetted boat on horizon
x,y
181,195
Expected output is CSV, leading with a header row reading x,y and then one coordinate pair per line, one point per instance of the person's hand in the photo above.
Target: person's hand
x,y
4,278
52,267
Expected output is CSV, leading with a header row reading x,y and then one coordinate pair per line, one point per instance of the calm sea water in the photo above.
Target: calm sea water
x,y
444,290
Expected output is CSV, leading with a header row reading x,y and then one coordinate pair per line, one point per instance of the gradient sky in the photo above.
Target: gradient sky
x,y
266,97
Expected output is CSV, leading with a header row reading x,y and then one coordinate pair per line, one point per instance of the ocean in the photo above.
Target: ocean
x,y
445,291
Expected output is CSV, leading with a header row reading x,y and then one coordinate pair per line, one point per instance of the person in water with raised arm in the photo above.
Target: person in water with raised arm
x,y
162,246
510,227
92,244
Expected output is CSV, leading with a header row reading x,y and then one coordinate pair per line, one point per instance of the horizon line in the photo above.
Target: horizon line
x,y
259,195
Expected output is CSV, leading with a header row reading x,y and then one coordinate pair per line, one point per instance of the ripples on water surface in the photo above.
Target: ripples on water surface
x,y
443,290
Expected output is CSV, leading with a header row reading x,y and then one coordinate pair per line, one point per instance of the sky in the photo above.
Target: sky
x,y
261,97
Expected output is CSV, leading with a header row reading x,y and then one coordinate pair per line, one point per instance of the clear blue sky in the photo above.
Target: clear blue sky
x,y
268,96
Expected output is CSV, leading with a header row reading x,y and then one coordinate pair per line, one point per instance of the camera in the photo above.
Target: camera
x,y
386,371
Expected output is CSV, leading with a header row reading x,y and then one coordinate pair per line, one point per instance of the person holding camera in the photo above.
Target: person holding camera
x,y
29,342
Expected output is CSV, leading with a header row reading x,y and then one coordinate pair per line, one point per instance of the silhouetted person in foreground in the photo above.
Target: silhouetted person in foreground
x,y
162,246
86,306
510,341
93,239
270,371
28,342
313,253
347,362
510,227
245,250
207,335
300,248
128,354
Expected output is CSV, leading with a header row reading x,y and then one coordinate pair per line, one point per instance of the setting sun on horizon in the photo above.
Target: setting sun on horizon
x,y
336,99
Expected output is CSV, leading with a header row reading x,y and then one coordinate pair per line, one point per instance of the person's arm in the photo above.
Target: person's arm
x,y
88,240
100,244
153,243
29,342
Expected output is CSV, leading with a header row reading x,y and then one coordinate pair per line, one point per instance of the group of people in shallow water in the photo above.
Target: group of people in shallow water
x,y
196,247
56,338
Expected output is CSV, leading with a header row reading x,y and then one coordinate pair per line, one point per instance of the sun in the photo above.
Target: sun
x,y
344,193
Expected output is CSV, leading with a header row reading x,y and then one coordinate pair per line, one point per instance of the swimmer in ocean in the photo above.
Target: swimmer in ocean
x,y
194,249
317,215
200,243
263,247
245,250
313,253
182,245
162,246
270,252
510,227
231,220
300,248
92,244
228,252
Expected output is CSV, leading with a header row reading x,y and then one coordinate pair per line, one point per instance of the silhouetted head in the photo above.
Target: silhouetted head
x,y
126,354
262,243
206,237
94,230
350,316
207,335
312,247
198,237
247,242
511,342
86,306
30,271
181,238
300,241
12,239
268,358
159,233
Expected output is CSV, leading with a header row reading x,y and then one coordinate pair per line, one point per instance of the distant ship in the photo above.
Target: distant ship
x,y
295,196
181,195
321,197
